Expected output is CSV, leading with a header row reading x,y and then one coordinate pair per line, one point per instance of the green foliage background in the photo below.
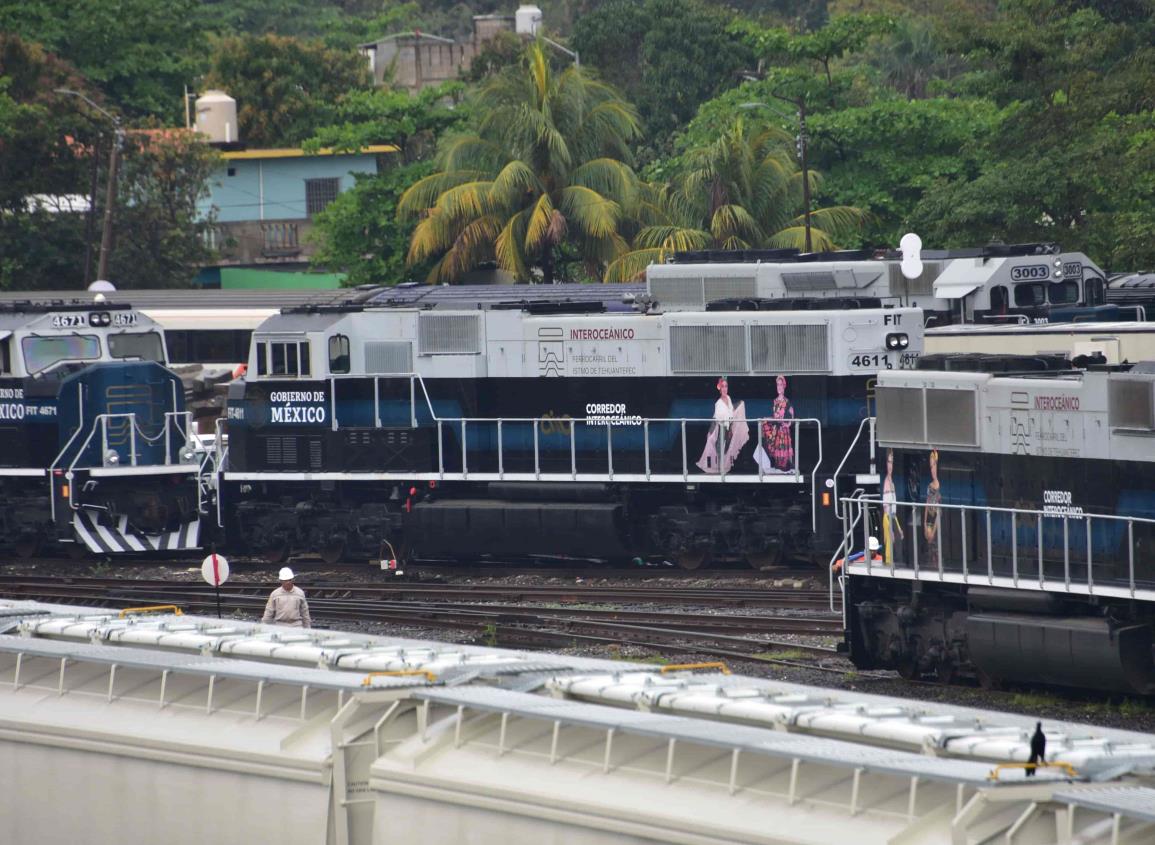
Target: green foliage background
x,y
968,121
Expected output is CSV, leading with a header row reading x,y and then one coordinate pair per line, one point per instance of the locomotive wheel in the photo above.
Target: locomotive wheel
x,y
907,669
276,552
27,545
768,559
333,551
944,673
987,682
690,560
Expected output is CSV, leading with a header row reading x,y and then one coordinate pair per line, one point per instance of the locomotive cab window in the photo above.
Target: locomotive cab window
x,y
1027,296
5,356
40,353
146,346
1095,293
283,359
999,299
1063,293
338,354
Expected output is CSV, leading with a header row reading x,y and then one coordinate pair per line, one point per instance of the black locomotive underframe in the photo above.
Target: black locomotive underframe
x,y
946,631
464,520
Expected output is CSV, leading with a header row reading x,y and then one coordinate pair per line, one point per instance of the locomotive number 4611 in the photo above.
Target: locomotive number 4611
x,y
872,362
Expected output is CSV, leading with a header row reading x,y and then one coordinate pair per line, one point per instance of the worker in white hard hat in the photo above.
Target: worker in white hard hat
x,y
872,544
287,605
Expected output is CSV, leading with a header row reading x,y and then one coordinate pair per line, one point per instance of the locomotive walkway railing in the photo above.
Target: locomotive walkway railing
x,y
594,457
540,453
1058,549
120,430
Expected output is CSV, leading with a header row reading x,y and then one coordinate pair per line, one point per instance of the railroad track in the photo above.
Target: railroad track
x,y
591,594
495,621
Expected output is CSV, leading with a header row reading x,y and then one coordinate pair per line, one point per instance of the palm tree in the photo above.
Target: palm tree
x,y
546,167
742,191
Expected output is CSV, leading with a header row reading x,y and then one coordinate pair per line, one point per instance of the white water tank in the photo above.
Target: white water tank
x,y
217,117
527,21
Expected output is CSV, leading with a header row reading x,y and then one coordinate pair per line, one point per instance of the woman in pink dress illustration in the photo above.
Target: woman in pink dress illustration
x,y
775,452
728,433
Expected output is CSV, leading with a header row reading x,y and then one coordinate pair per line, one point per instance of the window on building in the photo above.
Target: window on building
x,y
319,193
338,354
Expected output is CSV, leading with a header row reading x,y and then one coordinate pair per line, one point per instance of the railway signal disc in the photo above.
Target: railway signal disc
x,y
215,570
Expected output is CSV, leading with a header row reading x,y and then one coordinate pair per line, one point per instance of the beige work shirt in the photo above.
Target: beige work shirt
x,y
288,607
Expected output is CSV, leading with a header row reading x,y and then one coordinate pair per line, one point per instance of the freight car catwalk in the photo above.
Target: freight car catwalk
x,y
356,739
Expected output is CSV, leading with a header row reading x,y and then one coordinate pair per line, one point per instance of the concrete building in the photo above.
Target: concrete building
x,y
416,60
265,200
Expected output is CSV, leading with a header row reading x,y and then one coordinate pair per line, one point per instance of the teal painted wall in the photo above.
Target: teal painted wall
x,y
280,182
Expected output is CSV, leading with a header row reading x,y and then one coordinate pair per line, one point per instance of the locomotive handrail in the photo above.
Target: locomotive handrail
x,y
846,457
609,424
847,533
1018,516
60,455
100,422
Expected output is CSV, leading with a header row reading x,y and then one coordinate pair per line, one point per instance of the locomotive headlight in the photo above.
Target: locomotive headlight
x,y
99,318
111,458
188,454
897,340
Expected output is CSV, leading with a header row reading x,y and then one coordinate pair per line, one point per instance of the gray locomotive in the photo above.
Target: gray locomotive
x,y
1017,519
450,428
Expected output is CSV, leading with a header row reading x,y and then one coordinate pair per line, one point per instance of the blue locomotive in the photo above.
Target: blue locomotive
x,y
98,453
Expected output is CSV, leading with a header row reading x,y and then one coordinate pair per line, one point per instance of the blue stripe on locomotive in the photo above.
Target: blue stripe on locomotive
x,y
1108,536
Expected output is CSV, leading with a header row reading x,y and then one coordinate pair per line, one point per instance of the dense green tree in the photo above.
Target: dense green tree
x,y
413,122
545,167
742,190
47,143
1061,165
668,57
360,234
159,232
284,87
886,157
140,53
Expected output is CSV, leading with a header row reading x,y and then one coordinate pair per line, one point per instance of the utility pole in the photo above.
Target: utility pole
x,y
110,189
803,138
800,143
110,204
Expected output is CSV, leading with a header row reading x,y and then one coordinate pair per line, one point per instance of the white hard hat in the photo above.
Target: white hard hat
x,y
286,574
872,543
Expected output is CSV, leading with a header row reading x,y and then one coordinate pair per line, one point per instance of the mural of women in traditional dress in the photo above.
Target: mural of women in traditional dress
x,y
775,452
728,433
932,512
890,521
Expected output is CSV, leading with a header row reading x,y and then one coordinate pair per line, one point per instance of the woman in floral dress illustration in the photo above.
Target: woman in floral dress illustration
x,y
775,451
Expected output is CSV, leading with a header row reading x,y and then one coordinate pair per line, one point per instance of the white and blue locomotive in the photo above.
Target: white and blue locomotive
x,y
455,429
1018,516
98,452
